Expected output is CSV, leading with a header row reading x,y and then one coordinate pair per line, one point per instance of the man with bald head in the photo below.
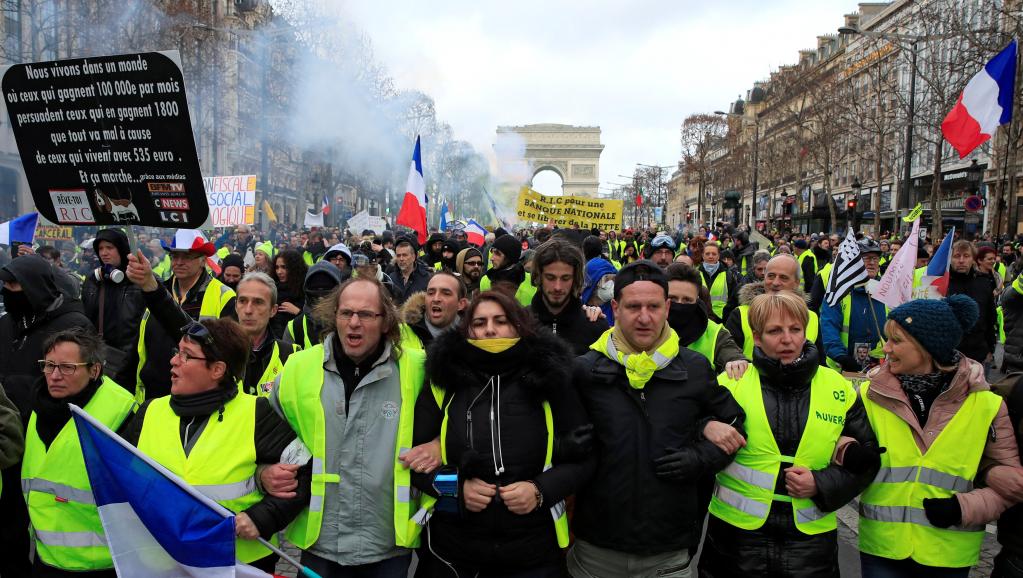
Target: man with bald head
x,y
782,274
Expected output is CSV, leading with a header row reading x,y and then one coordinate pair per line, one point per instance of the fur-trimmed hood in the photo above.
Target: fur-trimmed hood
x,y
414,309
750,290
546,363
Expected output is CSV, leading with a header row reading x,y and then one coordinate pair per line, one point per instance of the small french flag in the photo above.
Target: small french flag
x,y
19,230
934,283
984,105
325,209
475,233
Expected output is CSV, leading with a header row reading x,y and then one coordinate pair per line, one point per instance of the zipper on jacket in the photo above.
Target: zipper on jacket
x,y
554,327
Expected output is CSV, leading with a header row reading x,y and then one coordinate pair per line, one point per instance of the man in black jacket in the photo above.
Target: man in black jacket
x,y
35,309
559,268
409,274
114,305
647,398
978,343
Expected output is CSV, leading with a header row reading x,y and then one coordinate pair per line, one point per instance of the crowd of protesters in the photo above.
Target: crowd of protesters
x,y
546,402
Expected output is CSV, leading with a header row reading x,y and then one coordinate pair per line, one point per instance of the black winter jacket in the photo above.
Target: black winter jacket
x,y
1012,308
538,368
778,548
1010,525
978,342
627,507
571,325
417,281
22,333
123,307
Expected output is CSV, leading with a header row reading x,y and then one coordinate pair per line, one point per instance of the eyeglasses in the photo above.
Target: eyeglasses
x,y
184,355
473,264
365,315
48,367
198,333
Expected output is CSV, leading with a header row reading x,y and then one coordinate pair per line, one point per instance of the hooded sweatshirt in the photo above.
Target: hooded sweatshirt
x,y
320,279
122,301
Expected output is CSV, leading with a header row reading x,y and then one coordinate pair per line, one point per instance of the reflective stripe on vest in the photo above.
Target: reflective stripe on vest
x,y
54,482
299,390
221,463
718,291
892,520
706,343
214,297
745,490
558,513
813,327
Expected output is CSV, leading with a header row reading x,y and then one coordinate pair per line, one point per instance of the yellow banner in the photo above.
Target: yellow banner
x,y
585,212
48,233
914,214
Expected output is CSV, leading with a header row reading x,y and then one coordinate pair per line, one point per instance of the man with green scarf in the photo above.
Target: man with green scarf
x,y
649,401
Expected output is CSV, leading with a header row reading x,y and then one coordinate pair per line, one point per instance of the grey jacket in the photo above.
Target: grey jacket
x,y
358,513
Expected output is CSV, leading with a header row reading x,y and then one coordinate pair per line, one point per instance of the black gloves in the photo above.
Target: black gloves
x,y
575,445
682,465
849,363
860,459
943,512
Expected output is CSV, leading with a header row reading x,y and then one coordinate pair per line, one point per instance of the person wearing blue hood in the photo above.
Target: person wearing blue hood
x,y
304,331
113,304
600,286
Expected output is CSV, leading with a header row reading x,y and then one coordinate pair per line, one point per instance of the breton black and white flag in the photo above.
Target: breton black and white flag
x,y
847,272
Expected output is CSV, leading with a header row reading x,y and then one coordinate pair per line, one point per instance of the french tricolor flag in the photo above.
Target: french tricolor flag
x,y
985,103
413,208
935,279
475,233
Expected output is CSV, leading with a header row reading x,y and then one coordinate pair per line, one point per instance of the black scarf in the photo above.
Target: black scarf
x,y
921,390
513,274
203,404
351,372
53,414
792,376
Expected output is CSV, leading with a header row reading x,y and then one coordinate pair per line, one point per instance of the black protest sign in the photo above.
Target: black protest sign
x,y
107,140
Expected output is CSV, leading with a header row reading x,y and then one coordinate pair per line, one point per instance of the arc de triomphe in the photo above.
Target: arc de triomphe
x,y
571,151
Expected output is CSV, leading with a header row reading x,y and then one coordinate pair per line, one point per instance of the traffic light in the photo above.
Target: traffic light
x,y
850,205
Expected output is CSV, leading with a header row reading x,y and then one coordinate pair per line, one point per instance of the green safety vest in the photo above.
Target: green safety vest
x,y
718,291
162,270
524,294
558,512
65,522
705,344
808,254
744,491
299,392
812,330
306,341
221,464
214,298
892,520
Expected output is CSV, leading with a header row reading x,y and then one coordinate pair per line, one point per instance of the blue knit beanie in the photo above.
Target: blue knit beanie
x,y
937,324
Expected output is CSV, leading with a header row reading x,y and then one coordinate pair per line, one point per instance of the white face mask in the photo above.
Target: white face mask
x,y
606,291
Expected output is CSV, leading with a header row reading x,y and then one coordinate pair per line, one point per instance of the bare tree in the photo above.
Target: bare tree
x,y
826,129
699,134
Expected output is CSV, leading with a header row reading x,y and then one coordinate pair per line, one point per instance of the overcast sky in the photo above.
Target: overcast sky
x,y
635,68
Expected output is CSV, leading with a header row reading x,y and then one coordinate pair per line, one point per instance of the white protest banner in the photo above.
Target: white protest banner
x,y
313,220
232,200
896,286
363,221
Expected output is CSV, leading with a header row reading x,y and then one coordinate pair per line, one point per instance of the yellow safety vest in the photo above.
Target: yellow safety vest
x,y
222,462
214,298
846,305
813,327
306,342
558,512
718,290
299,392
744,492
266,381
524,294
65,522
163,268
409,339
808,254
705,344
892,519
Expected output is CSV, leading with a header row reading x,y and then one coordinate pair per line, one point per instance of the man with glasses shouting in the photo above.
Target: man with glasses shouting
x,y
215,437
190,294
351,400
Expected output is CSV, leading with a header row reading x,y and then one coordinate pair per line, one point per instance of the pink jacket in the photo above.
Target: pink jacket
x,y
980,505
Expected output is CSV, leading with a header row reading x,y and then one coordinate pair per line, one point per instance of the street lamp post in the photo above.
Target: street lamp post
x,y
756,160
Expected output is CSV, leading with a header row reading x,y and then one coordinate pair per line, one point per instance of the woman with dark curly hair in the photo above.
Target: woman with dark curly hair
x,y
289,273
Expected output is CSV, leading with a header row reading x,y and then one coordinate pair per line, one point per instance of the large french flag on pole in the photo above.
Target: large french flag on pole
x,y
156,525
413,208
984,105
19,230
934,283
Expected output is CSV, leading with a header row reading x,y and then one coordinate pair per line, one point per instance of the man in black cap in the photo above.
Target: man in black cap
x,y
113,304
645,394
232,268
506,269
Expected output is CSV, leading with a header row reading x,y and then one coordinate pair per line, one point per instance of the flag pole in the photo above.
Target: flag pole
x,y
183,484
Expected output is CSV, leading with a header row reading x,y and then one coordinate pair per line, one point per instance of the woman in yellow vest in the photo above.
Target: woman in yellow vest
x,y
69,537
215,437
933,410
773,509
502,393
